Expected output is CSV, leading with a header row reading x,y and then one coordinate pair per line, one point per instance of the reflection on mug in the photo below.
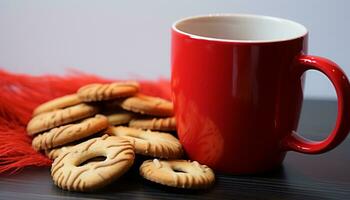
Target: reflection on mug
x,y
208,142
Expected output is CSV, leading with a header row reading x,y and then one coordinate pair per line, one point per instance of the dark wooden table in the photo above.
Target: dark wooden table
x,y
325,176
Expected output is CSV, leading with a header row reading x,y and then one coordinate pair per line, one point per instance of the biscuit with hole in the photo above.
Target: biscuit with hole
x,y
69,172
178,173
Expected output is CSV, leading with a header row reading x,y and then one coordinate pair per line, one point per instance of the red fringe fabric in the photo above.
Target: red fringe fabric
x,y
20,94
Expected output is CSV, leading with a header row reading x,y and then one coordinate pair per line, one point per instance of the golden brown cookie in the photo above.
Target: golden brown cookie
x,y
58,103
48,120
68,172
54,153
99,92
120,118
178,173
69,133
148,105
159,124
149,143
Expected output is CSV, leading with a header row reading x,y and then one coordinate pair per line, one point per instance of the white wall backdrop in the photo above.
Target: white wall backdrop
x,y
129,38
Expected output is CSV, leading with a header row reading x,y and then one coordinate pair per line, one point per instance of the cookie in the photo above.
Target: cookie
x,y
54,153
70,173
160,124
178,173
120,118
69,133
149,143
148,105
48,120
99,92
58,103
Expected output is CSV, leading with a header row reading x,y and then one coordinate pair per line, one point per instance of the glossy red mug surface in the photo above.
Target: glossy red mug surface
x,y
237,83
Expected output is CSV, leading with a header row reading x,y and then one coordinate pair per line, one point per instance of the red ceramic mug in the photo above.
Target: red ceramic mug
x,y
237,84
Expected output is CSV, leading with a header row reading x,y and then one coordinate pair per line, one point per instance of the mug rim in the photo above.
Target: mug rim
x,y
199,37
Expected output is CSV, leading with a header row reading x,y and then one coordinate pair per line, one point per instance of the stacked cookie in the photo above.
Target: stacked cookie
x,y
93,137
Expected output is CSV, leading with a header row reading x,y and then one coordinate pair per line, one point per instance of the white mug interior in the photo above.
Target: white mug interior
x,y
240,28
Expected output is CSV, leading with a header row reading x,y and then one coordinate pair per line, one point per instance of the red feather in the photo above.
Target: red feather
x,y
20,94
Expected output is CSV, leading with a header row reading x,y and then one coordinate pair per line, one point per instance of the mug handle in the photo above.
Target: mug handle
x,y
341,84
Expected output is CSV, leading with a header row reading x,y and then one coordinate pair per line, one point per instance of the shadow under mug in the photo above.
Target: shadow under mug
x,y
237,85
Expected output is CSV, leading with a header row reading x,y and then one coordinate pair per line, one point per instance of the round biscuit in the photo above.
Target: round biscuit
x,y
148,105
69,133
68,172
54,153
178,173
108,91
58,103
150,143
159,124
120,118
52,119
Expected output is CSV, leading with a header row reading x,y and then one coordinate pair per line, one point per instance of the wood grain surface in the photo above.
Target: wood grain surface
x,y
325,176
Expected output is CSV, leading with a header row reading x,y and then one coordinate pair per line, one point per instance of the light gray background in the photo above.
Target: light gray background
x,y
123,39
